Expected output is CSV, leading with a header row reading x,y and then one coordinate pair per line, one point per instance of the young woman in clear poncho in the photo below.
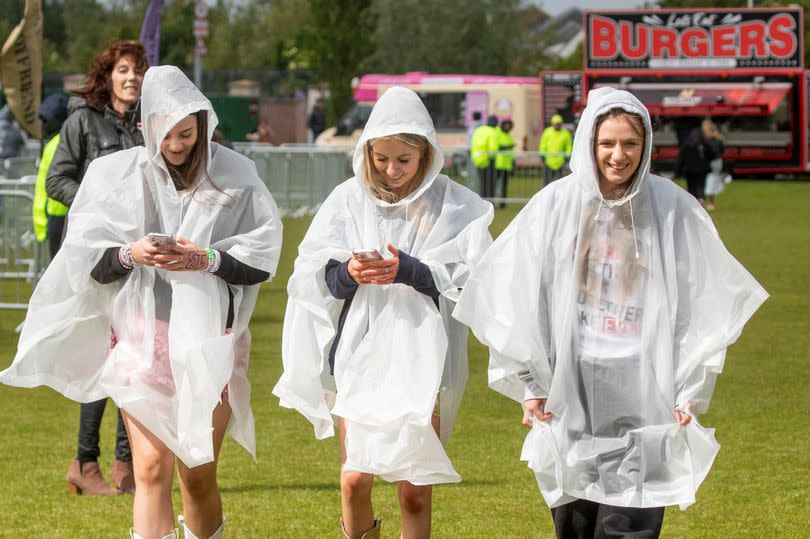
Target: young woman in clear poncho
x,y
160,329
608,305
373,342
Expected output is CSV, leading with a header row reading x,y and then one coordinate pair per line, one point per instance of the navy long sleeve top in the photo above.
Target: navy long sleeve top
x,y
411,272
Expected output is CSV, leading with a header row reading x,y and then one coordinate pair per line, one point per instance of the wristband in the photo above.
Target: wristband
x,y
125,256
214,260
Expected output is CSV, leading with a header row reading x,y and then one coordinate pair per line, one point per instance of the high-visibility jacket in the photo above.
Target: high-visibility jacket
x,y
44,206
505,160
556,141
482,144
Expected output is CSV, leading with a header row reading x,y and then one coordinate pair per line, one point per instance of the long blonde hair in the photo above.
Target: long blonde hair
x,y
374,181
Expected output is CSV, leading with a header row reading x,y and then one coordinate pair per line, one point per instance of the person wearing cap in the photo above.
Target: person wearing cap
x,y
49,214
483,146
505,160
555,146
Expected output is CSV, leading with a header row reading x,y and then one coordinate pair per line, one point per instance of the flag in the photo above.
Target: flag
x,y
150,32
21,69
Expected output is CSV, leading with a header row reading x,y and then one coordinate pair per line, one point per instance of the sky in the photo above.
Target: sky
x,y
554,7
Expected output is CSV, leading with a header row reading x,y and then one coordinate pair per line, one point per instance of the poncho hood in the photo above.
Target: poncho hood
x,y
583,164
399,110
167,97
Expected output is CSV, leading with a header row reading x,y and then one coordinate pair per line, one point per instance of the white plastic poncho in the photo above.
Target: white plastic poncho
x,y
397,351
617,311
65,342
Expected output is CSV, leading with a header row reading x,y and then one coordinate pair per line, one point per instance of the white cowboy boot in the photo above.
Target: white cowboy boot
x,y
173,535
188,534
371,533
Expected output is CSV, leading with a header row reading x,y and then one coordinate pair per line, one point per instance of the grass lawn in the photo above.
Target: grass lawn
x,y
759,485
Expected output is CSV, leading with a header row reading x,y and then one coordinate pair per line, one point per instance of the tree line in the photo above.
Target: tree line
x,y
335,40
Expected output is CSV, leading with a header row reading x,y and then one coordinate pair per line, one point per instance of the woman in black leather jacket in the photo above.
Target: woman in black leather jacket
x,y
101,121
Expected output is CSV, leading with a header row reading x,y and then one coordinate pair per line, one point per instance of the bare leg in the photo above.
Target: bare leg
x,y
355,495
202,504
415,504
153,464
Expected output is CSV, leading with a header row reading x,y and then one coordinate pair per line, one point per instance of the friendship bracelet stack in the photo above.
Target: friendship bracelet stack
x,y
125,256
214,260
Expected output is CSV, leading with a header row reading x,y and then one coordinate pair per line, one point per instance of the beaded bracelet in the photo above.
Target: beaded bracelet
x,y
125,256
214,260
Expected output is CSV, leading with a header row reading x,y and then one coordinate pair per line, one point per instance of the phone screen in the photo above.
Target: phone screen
x,y
161,239
367,254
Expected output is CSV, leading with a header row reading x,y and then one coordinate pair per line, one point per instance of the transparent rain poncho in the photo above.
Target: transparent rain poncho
x,y
156,315
397,351
618,311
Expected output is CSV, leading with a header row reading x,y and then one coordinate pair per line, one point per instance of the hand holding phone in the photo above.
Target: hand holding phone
x,y
367,254
162,240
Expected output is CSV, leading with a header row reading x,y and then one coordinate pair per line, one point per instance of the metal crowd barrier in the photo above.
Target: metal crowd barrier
x,y
302,176
299,177
22,258
18,167
525,179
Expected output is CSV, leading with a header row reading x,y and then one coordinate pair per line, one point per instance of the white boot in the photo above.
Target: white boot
x,y
173,535
189,535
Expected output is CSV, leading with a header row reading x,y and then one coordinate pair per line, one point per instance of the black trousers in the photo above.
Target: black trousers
x,y
89,426
502,179
696,184
487,177
583,519
550,175
56,226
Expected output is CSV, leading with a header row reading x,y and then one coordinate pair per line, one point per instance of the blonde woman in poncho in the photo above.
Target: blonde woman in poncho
x,y
161,328
608,305
372,341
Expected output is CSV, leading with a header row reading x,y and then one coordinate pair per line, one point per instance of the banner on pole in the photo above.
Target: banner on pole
x,y
150,32
21,69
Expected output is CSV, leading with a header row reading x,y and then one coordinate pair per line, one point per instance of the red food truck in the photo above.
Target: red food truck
x,y
744,68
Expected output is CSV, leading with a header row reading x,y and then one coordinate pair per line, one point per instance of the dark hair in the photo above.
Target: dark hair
x,y
98,88
185,175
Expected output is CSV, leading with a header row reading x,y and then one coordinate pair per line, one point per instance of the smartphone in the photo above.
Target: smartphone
x,y
367,254
161,240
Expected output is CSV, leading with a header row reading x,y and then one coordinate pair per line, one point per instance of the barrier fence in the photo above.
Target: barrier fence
x,y
22,258
300,177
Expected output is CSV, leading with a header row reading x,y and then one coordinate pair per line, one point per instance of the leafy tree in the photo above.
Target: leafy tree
x,y
448,36
341,40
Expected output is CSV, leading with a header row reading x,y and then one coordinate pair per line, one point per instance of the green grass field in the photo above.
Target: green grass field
x,y
759,486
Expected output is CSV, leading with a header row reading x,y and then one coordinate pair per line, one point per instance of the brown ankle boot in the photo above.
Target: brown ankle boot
x,y
123,478
87,479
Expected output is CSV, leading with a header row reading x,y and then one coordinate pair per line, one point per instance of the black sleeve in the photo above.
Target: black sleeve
x,y
340,284
415,273
63,179
233,271
109,268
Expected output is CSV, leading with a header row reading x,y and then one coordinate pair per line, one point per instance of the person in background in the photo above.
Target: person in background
x,y
483,146
475,123
716,178
505,160
693,163
12,139
317,119
49,214
394,362
607,305
102,121
264,132
555,146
